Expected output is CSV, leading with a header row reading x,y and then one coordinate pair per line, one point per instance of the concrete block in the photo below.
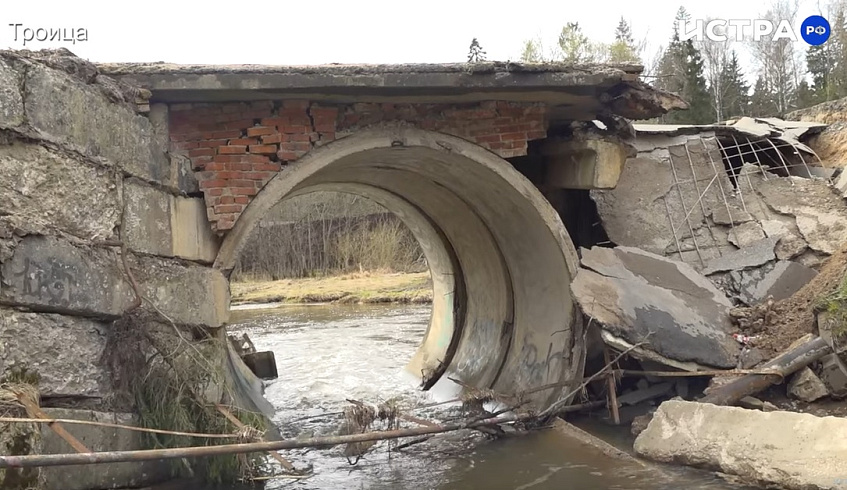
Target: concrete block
x,y
263,364
49,273
188,294
806,386
193,238
11,99
159,223
585,164
834,375
63,350
183,177
66,110
754,255
786,449
50,188
147,219
115,475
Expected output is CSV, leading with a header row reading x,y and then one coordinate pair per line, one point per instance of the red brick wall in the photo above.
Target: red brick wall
x,y
237,147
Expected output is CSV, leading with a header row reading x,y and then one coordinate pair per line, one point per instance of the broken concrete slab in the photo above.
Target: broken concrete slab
x,y
780,280
806,386
821,214
63,350
639,296
754,255
99,439
790,246
730,216
760,447
66,110
51,274
46,186
746,234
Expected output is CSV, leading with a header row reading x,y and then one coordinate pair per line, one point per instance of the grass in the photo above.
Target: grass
x,y
362,287
835,304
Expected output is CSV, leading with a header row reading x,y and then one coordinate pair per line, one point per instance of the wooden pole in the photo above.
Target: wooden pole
x,y
781,367
202,451
613,388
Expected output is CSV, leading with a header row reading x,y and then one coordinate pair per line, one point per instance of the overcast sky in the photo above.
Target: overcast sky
x,y
330,31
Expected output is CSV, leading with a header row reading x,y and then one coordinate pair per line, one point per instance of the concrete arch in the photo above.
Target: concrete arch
x,y
501,260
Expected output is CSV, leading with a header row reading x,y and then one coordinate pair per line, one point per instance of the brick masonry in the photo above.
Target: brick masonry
x,y
236,148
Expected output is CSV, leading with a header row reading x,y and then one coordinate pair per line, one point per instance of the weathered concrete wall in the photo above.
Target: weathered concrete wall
x,y
81,171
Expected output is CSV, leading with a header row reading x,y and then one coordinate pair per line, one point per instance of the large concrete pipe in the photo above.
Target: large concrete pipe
x,y
500,258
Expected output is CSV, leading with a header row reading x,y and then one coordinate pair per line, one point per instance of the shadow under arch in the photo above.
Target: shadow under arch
x,y
500,258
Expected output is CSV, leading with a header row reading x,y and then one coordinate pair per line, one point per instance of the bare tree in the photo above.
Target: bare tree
x,y
716,56
779,63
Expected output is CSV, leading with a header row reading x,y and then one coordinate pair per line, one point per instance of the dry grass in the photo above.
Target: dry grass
x,y
363,287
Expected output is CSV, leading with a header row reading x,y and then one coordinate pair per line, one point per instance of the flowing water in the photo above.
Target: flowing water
x,y
328,354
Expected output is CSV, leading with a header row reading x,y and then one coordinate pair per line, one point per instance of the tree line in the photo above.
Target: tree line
x,y
708,74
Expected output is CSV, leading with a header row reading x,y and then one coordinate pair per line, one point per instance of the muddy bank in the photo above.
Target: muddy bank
x,y
359,288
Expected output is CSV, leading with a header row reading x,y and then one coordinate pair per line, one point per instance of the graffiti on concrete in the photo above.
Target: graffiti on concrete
x,y
49,280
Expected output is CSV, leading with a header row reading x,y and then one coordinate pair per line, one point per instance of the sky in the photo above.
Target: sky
x,y
331,31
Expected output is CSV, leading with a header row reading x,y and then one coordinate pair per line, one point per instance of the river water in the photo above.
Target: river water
x,y
328,354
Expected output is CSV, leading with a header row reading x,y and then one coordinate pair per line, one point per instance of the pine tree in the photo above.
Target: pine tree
x,y
735,99
681,72
475,52
763,101
574,46
827,62
623,50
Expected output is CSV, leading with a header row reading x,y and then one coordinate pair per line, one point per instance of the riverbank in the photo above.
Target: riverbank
x,y
364,287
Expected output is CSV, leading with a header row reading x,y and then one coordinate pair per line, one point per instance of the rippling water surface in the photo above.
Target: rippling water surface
x,y
328,354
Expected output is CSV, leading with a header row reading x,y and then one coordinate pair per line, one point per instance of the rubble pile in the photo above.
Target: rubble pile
x,y
729,261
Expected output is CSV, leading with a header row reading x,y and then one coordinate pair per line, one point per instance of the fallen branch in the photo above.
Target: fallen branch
x,y
41,460
556,408
15,420
775,372
692,374
35,411
275,455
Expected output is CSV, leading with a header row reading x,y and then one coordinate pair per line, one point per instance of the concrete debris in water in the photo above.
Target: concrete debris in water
x,y
639,296
760,447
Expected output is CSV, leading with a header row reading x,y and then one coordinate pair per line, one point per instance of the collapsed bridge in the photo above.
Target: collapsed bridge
x,y
488,164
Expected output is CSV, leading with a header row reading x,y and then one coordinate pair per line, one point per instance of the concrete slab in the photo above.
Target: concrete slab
x,y
787,449
63,350
780,280
640,296
98,439
730,216
746,234
585,163
756,254
841,184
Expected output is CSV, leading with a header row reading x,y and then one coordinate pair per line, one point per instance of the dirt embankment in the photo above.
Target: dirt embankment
x,y
831,143
785,321
365,287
